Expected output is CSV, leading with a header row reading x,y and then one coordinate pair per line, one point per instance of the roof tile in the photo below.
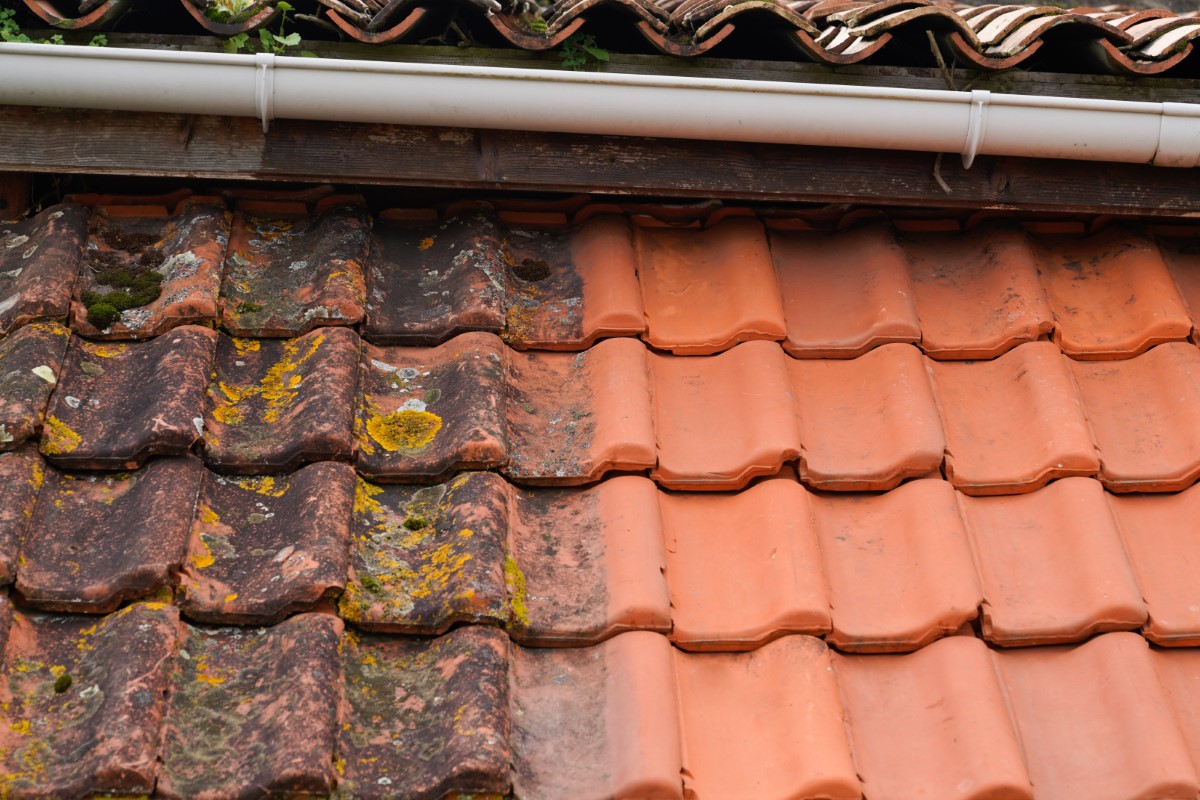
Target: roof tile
x,y
253,712
1182,257
277,403
21,476
1145,415
88,546
264,548
910,548
1014,423
31,361
84,702
706,291
932,724
117,404
1178,671
1052,565
39,261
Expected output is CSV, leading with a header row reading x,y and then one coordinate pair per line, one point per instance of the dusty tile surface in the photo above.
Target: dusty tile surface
x,y
31,361
39,264
22,474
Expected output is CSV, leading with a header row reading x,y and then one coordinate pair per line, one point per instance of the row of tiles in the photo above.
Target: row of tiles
x,y
410,414
835,32
870,573
138,703
281,271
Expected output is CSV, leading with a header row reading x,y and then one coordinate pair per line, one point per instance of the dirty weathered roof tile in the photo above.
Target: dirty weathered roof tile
x,y
21,477
31,361
39,263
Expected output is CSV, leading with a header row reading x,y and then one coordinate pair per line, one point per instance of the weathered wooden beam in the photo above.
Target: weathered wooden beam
x,y
199,147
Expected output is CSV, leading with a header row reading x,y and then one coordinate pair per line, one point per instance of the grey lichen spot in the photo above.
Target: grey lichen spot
x,y
73,402
8,303
16,241
5,436
198,424
180,265
44,372
91,368
29,253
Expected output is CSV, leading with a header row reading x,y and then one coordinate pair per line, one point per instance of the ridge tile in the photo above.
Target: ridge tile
x,y
39,264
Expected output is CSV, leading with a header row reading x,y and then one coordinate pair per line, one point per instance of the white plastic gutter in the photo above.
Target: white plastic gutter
x,y
279,87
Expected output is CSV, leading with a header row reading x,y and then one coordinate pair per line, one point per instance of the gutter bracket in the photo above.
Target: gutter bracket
x,y
264,88
1178,136
976,125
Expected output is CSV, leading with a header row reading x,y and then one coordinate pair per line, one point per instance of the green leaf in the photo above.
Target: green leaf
x,y
598,53
291,40
283,5
236,42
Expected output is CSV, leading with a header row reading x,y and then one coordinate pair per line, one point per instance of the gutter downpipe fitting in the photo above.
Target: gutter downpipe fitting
x,y
267,87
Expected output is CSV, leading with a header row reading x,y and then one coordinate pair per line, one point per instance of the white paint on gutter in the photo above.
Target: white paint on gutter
x,y
270,87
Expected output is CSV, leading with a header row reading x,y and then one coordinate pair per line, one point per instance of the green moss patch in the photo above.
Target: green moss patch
x,y
127,289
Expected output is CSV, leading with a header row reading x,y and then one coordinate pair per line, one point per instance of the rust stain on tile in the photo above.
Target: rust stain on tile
x,y
31,361
39,264
274,404
21,476
98,539
117,404
286,274
263,548
253,711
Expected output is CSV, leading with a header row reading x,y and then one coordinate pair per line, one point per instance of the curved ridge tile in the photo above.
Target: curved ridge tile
x,y
1159,535
724,419
573,417
1145,415
185,251
287,273
31,361
1014,423
1052,565
425,719
584,565
705,291
39,263
238,696
277,403
743,568
426,412
977,294
255,15
100,734
764,724
264,548
21,477
1111,293
597,722
899,567
95,541
1094,721
932,724
867,423
426,558
844,293
95,14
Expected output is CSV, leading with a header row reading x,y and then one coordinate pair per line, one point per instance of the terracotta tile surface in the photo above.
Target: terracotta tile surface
x,y
1052,565
867,423
287,273
1145,417
236,695
274,404
1182,257
88,547
726,271
1014,423
39,262
976,294
1179,671
1111,293
844,293
21,477
30,363
899,567
185,250
263,548
933,724
117,404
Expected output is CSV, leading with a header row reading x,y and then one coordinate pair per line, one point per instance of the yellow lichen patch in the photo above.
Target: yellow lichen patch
x,y
203,675
466,533
103,350
38,476
229,415
426,243
207,515
21,727
246,346
364,499
265,486
58,437
515,579
443,565
84,643
203,557
278,387
229,598
404,430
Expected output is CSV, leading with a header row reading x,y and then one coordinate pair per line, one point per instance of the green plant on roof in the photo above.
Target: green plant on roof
x,y
581,52
127,290
268,42
10,31
230,11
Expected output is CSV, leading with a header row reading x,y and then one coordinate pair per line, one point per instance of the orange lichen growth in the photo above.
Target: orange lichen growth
x,y
245,346
203,557
103,350
203,675
264,485
404,430
364,499
207,515
59,438
278,389
426,243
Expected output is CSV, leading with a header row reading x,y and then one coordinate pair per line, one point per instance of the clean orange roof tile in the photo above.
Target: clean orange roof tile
x,y
1145,415
1179,672
706,291
1095,722
1112,295
1052,565
866,423
844,293
766,724
1182,257
743,568
899,567
725,419
1160,535
1014,423
933,724
977,294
